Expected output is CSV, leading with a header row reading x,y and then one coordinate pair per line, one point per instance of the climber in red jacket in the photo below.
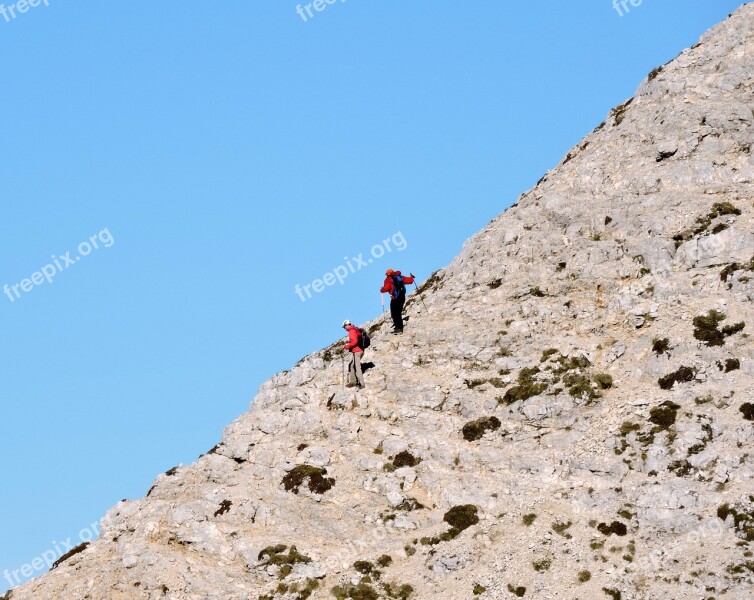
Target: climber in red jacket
x,y
395,285
355,376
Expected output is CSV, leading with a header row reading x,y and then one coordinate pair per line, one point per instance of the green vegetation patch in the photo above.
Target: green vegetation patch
x,y
313,476
362,591
399,592
706,328
660,346
405,459
682,375
719,209
664,416
540,566
459,518
527,387
615,528
742,516
475,430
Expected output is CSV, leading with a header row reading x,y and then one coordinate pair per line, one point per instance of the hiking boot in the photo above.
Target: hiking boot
x,y
397,331
352,385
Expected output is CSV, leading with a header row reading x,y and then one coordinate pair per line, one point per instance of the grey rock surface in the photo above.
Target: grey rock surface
x,y
527,386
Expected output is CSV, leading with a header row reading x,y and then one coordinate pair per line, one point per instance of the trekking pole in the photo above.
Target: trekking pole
x,y
420,296
343,369
382,297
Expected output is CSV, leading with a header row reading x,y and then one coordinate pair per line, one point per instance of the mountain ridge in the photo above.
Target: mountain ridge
x,y
566,415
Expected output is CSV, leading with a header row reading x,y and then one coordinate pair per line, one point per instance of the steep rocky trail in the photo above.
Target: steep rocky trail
x,y
569,413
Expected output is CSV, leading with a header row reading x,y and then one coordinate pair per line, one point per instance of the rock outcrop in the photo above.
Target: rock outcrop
x,y
569,413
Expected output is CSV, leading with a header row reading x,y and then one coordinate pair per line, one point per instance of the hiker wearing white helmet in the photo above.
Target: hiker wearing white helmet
x,y
358,341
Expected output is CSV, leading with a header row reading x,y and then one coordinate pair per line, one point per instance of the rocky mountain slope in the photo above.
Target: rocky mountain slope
x,y
568,415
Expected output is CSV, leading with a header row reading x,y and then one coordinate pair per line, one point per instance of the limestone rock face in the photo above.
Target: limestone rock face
x,y
569,411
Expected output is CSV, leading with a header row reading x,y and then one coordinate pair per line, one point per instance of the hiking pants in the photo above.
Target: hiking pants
x,y
354,369
396,311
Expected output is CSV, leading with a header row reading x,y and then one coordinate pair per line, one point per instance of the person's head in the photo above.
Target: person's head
x,y
389,272
346,324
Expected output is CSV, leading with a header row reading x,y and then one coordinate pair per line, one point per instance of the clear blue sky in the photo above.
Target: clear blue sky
x,y
226,152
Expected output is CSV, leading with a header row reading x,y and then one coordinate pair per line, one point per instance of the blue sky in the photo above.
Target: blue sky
x,y
219,154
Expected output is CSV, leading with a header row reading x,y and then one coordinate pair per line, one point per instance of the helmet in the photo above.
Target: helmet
x,y
346,323
389,272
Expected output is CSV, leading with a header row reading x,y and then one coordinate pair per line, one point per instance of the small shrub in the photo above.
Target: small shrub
x,y
664,416
536,292
603,381
628,427
562,529
529,519
681,468
732,364
405,459
615,594
364,567
362,591
580,386
459,518
724,208
616,527
475,430
224,507
311,585
743,519
547,354
317,482
400,593
462,517
584,576
747,410
660,346
706,328
519,591
543,565
527,387
729,330
478,589
274,556
410,504
682,375
384,561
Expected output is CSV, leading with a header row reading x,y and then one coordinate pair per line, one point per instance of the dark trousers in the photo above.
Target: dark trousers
x,y
396,311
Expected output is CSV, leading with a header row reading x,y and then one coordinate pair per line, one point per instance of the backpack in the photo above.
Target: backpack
x,y
399,288
364,340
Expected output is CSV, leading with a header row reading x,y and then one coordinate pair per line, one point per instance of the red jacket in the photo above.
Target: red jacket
x,y
388,285
353,339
